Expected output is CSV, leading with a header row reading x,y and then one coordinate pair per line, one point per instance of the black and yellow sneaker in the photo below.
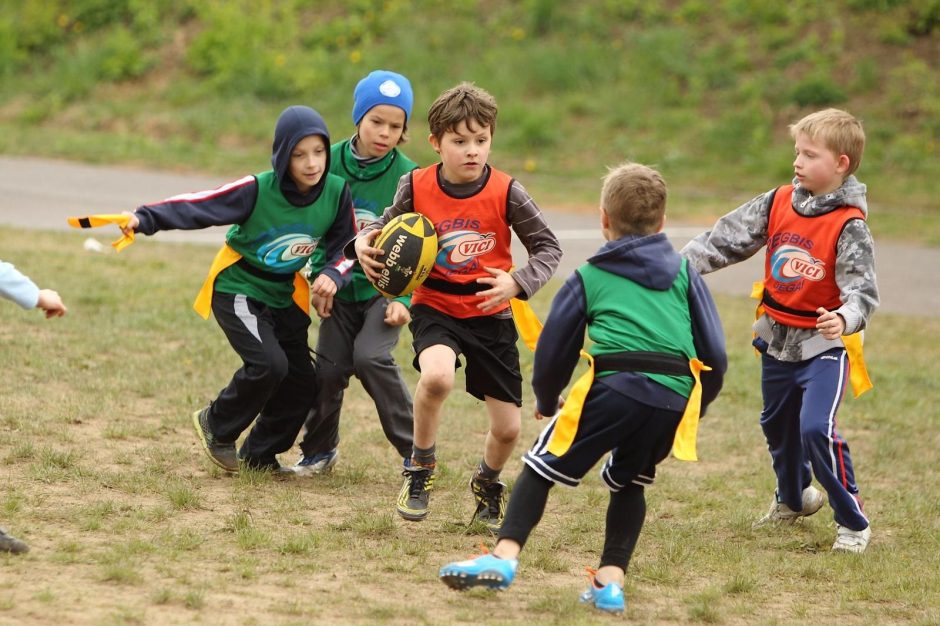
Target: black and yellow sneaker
x,y
222,454
490,496
415,492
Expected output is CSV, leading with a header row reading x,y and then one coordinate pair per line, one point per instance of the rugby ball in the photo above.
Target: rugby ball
x,y
409,242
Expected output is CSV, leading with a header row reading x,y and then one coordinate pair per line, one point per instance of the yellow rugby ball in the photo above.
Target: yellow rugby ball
x,y
409,242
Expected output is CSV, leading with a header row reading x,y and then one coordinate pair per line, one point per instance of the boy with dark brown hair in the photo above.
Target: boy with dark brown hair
x,y
463,306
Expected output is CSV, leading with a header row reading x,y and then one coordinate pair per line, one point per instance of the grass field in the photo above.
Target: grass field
x,y
130,524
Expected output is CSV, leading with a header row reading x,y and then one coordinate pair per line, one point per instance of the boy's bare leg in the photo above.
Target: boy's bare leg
x,y
609,574
507,549
505,425
436,382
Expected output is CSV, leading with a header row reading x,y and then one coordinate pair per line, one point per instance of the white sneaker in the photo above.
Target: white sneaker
x,y
848,540
780,513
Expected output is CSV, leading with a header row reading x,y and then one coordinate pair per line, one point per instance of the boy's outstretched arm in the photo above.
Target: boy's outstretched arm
x,y
559,345
735,237
19,288
708,337
228,204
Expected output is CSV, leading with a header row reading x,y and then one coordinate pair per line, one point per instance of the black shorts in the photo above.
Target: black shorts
x,y
638,437
488,344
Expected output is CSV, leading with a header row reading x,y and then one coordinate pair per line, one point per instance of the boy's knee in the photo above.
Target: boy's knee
x,y
814,432
437,383
271,371
506,433
329,376
364,361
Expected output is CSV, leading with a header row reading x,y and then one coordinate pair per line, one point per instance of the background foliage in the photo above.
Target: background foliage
x,y
703,90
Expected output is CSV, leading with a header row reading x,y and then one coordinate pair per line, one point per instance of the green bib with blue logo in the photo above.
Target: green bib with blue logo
x,y
278,238
624,316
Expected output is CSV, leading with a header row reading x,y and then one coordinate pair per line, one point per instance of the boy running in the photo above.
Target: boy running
x,y
279,217
360,327
652,322
463,306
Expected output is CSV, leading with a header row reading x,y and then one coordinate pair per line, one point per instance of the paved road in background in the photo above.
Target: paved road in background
x,y
41,193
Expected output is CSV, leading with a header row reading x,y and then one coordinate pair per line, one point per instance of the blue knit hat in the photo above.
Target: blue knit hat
x,y
381,87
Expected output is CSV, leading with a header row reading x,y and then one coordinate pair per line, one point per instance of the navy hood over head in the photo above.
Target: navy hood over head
x,y
648,260
295,123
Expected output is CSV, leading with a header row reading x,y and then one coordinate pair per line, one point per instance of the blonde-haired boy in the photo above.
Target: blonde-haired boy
x,y
819,290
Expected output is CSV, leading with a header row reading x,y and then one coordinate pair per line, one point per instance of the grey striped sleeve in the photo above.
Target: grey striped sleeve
x,y
540,242
402,203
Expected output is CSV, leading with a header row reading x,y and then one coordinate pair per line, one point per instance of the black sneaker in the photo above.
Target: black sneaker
x,y
490,496
415,492
9,543
222,454
270,465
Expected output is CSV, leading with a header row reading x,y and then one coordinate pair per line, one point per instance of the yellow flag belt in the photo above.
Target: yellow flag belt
x,y
566,424
93,221
226,257
858,372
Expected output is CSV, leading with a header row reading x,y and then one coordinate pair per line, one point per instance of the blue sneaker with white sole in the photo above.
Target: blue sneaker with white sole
x,y
483,571
319,463
608,598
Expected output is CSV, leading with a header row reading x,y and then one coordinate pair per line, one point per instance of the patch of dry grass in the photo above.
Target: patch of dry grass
x,y
130,524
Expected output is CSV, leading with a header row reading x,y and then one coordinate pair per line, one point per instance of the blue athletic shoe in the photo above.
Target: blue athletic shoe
x,y
483,571
609,598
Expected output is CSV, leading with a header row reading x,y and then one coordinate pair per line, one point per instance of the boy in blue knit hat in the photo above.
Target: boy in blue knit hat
x,y
359,327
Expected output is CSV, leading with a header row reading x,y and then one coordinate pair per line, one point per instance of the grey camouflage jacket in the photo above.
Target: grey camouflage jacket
x,y
742,232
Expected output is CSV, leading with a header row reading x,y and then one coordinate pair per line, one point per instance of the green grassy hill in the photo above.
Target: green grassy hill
x,y
703,90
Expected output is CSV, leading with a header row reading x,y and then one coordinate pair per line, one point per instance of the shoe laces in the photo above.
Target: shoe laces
x,y
489,496
421,480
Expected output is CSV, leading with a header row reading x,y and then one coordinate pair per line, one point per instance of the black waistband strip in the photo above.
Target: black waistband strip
x,y
454,289
768,301
646,362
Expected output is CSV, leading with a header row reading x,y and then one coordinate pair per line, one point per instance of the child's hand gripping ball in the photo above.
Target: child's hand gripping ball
x,y
409,242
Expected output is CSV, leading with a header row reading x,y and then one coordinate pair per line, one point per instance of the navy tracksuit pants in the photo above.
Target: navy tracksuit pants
x,y
799,422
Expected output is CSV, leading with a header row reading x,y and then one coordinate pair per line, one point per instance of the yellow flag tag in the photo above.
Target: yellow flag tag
x,y
94,221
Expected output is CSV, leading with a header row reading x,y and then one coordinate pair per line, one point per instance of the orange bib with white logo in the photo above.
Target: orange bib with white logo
x,y
472,233
799,269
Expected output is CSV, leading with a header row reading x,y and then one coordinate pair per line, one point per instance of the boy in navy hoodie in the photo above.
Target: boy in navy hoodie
x,y
652,322
279,218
